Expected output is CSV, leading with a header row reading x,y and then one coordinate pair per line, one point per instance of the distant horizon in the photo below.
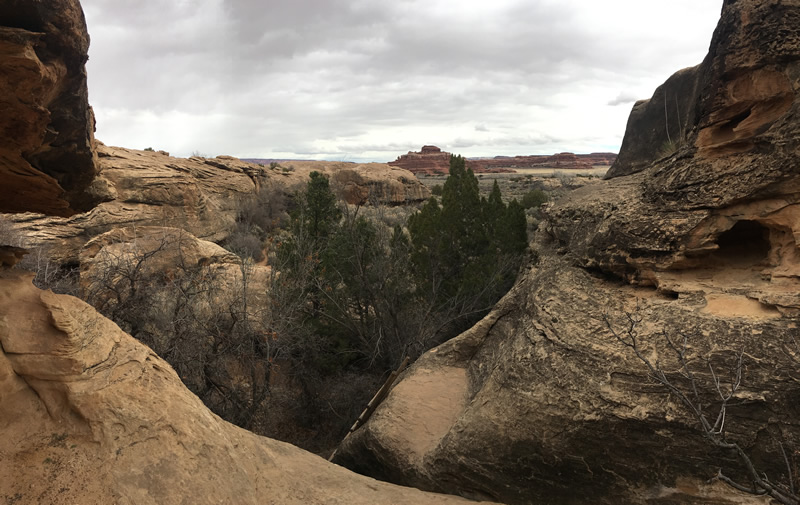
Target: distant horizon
x,y
257,159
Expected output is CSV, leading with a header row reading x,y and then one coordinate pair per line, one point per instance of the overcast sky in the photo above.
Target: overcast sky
x,y
368,80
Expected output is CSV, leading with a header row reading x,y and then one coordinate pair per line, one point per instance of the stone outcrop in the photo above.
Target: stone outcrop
x,y
46,157
362,183
199,195
540,402
737,101
429,160
89,415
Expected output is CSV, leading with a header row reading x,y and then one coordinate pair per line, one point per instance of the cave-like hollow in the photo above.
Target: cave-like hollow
x,y
746,244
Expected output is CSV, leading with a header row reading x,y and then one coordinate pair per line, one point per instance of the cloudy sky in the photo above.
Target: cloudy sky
x,y
367,80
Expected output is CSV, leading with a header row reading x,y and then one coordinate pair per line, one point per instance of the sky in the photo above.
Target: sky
x,y
368,80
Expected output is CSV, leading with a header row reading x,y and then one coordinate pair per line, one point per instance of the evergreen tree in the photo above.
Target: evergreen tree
x,y
466,252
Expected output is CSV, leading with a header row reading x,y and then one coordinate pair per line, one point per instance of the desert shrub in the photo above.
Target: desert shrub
x,y
257,217
436,190
200,318
534,199
245,244
51,275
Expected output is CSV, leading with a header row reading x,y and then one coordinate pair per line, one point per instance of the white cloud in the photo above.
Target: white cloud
x,y
371,80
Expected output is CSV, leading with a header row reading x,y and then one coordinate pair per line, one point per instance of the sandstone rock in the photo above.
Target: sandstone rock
x,y
10,255
199,195
91,416
539,403
46,157
429,160
148,189
361,183
698,242
732,181
741,99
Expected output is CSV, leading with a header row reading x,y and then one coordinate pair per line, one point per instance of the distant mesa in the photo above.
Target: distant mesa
x,y
432,160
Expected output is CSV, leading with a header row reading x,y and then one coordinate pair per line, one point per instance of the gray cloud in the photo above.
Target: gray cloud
x,y
368,79
624,97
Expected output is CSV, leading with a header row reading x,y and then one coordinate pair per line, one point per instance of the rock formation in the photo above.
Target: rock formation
x,y
199,195
46,157
560,161
540,402
89,415
429,160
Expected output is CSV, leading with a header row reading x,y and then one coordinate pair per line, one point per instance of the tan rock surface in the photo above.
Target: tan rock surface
x,y
89,416
199,195
700,241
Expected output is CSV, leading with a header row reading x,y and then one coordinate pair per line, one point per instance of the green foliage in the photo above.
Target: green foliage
x,y
465,253
149,149
436,190
534,199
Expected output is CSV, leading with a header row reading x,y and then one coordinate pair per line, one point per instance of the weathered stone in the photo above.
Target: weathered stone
x,y
429,160
199,195
46,157
89,415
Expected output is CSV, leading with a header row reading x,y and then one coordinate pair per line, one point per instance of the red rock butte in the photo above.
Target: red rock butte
x,y
431,160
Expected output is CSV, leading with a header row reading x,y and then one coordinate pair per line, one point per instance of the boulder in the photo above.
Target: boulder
x,y
92,416
46,157
689,251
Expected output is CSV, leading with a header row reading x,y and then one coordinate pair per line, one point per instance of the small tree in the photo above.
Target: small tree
x,y
534,199
466,252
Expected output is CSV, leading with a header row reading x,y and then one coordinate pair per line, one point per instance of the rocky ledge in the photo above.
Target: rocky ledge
x,y
199,195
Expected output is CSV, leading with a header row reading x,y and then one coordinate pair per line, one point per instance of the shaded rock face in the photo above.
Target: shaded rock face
x,y
697,243
538,403
199,195
46,157
741,99
92,416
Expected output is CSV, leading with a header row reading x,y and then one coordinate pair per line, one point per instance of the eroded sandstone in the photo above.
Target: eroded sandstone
x,y
46,155
199,195
92,416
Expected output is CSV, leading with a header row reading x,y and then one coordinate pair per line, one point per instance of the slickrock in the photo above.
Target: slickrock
x,y
91,416
694,240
